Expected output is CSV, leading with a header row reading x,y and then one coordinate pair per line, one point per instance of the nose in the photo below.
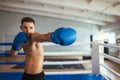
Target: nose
x,y
28,31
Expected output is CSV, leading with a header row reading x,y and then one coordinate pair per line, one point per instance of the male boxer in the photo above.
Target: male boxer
x,y
31,42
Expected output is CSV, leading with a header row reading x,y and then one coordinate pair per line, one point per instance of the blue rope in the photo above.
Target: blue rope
x,y
6,44
7,63
8,53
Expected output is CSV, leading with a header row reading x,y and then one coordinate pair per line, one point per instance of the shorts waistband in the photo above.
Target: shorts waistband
x,y
38,74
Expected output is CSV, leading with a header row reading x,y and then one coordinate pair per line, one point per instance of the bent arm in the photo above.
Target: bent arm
x,y
19,39
13,53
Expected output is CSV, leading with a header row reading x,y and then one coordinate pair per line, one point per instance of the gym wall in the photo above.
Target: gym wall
x,y
10,23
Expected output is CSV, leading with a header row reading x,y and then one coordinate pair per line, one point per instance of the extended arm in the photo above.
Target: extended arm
x,y
63,36
37,37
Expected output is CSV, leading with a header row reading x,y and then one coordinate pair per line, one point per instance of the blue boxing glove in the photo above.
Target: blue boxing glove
x,y
19,39
64,36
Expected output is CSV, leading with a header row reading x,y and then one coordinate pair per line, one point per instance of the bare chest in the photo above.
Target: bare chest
x,y
33,49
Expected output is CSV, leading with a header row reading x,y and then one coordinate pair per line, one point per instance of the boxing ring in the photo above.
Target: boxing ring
x,y
97,61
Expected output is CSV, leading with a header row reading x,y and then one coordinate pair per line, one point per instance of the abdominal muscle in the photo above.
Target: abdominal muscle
x,y
34,66
34,58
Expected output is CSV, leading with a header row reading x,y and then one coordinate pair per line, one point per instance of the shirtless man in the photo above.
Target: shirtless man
x,y
31,42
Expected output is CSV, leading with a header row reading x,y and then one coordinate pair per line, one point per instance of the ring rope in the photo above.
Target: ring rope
x,y
51,62
106,45
8,63
56,73
70,72
87,53
6,44
110,46
112,58
47,44
110,69
8,53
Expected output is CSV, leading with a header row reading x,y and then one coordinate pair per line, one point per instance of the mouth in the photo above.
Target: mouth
x,y
28,35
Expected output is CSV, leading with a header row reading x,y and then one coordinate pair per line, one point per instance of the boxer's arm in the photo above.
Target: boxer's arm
x,y
19,39
38,37
62,36
14,53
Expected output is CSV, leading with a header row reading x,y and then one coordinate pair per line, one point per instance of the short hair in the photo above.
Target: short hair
x,y
27,19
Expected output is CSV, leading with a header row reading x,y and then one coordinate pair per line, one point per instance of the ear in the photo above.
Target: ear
x,y
21,27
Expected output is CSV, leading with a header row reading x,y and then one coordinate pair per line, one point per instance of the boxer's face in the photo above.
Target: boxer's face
x,y
28,27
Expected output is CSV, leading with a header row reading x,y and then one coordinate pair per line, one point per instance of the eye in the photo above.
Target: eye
x,y
31,27
24,26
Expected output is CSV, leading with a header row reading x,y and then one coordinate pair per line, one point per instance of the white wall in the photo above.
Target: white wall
x,y
10,22
112,28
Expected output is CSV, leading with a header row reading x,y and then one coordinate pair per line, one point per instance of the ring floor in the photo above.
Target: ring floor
x,y
8,68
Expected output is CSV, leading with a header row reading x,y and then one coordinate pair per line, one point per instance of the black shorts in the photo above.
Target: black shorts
x,y
39,76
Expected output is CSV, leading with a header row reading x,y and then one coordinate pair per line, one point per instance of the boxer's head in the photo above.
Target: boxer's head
x,y
27,25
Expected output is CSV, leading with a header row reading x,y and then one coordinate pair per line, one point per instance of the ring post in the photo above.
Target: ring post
x,y
95,58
